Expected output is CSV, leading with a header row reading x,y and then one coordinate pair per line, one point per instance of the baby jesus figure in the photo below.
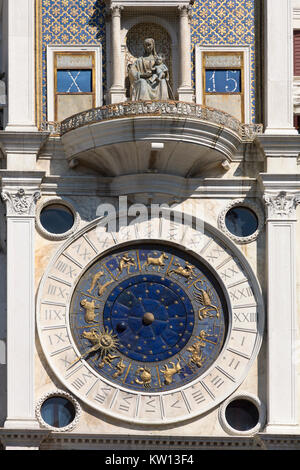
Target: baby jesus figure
x,y
160,71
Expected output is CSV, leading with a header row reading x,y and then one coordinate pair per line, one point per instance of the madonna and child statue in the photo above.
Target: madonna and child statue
x,y
149,76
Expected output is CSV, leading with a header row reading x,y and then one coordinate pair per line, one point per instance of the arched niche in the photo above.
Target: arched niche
x,y
167,27
134,48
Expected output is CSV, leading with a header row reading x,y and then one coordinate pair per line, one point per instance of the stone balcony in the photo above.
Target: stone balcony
x,y
161,137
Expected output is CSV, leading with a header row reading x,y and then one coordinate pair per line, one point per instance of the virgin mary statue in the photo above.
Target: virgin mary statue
x,y
143,77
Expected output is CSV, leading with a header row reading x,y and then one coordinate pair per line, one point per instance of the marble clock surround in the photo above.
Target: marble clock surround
x,y
220,380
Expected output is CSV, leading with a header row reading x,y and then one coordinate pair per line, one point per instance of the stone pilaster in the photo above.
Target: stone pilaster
x,y
281,301
20,195
279,67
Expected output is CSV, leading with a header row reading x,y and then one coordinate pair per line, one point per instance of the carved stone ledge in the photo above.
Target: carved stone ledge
x,y
157,108
281,205
19,439
121,442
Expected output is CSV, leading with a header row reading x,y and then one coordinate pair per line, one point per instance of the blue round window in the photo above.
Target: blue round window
x,y
241,221
58,412
242,415
57,218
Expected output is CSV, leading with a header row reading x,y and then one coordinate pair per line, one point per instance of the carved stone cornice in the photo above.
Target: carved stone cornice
x,y
23,439
281,205
19,202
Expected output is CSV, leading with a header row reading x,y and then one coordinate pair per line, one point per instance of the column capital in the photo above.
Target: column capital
x,y
184,10
116,10
281,205
19,202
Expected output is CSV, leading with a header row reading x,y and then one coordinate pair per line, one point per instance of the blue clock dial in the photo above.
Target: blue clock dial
x,y
153,316
149,317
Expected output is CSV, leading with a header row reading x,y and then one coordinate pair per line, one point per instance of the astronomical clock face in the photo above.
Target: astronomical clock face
x,y
149,331
148,317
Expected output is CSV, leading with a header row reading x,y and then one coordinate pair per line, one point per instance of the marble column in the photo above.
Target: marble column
x,y
279,67
20,196
282,311
185,91
117,91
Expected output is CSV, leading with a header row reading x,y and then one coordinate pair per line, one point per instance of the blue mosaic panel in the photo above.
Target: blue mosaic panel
x,y
148,317
225,23
222,81
70,22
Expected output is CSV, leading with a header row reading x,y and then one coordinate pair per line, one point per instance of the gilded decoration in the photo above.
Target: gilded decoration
x,y
82,22
153,328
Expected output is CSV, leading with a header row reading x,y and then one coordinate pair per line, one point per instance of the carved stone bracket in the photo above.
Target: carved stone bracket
x,y
20,203
282,205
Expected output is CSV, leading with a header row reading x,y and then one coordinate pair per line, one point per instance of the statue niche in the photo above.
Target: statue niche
x,y
148,71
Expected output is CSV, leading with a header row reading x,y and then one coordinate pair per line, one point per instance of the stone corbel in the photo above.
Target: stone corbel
x,y
281,205
20,203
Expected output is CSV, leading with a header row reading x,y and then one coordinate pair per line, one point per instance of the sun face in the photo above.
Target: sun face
x,y
107,341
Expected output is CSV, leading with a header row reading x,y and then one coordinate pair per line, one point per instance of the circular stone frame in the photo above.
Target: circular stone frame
x,y
243,396
220,255
62,394
56,236
254,207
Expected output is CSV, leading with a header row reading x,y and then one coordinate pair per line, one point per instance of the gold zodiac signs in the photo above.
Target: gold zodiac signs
x,y
159,261
107,360
95,280
168,372
204,298
101,287
187,271
125,263
120,366
197,357
144,377
89,307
